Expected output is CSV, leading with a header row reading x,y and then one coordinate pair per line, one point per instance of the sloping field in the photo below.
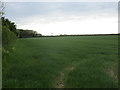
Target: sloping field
x,y
62,62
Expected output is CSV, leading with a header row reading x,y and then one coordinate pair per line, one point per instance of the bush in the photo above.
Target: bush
x,y
8,37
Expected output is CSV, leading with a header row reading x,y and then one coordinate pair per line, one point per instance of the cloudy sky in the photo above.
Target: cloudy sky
x,y
54,18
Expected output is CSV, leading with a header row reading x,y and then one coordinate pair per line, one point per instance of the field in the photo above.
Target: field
x,y
62,62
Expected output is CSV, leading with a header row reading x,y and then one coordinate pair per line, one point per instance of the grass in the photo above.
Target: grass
x,y
62,62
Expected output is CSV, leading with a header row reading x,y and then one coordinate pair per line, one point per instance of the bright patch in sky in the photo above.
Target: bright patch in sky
x,y
55,18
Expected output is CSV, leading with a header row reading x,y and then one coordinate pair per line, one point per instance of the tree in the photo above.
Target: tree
x,y
10,25
9,35
28,33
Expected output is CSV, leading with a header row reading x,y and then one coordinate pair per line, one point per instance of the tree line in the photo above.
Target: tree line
x,y
28,33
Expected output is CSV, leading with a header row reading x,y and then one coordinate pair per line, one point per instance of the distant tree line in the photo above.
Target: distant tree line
x,y
87,34
28,33
63,35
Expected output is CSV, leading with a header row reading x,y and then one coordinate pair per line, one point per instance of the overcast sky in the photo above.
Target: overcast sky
x,y
65,17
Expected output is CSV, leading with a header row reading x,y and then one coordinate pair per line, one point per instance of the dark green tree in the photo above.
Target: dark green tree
x,y
9,35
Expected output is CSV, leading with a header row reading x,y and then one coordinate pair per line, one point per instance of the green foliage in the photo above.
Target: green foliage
x,y
9,35
28,33
10,25
79,62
